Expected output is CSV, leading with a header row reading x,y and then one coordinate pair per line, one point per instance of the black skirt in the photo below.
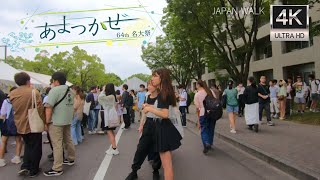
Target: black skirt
x,y
166,137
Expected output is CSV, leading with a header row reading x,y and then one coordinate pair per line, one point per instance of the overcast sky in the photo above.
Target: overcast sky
x,y
122,58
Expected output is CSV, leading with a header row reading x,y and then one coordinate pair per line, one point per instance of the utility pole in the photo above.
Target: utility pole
x,y
5,52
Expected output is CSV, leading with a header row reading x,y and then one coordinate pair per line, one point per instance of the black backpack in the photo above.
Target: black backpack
x,y
213,108
188,100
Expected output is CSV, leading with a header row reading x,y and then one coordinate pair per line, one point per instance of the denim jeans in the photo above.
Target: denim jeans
x,y
183,115
76,130
92,120
207,130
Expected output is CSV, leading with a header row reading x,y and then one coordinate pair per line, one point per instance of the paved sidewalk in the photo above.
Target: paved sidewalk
x,y
292,144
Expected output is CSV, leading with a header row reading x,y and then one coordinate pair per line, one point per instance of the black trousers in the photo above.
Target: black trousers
x,y
266,107
288,107
241,104
32,152
126,118
183,115
145,147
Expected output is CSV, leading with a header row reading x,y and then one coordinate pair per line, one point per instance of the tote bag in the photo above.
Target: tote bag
x,y
113,120
86,108
175,118
35,121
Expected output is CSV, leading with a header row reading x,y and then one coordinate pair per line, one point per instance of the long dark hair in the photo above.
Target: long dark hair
x,y
166,91
110,90
252,81
79,91
203,84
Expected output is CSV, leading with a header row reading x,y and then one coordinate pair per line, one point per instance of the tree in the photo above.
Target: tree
x,y
113,78
162,54
143,77
226,36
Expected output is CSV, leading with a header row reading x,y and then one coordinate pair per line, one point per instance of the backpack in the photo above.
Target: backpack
x,y
188,100
213,108
9,124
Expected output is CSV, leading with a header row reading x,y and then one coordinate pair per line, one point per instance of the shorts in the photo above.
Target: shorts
x,y
300,100
232,109
315,97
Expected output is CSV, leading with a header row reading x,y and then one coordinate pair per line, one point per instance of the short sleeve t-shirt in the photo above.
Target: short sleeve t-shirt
x,y
264,90
141,98
274,90
183,95
300,89
231,97
314,86
164,104
63,113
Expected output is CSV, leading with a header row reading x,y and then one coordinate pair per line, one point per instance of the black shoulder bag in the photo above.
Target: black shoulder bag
x,y
61,98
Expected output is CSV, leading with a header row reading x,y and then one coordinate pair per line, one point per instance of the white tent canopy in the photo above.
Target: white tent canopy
x,y
7,73
134,83
43,78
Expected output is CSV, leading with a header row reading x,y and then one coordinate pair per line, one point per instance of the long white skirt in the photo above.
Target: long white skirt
x,y
251,113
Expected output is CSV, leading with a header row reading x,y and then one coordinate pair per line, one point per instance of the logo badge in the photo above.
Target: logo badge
x,y
289,23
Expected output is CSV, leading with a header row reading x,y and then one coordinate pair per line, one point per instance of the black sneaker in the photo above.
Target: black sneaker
x,y
67,162
156,175
35,174
205,149
53,173
256,128
24,172
132,176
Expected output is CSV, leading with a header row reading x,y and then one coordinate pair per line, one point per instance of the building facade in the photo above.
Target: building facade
x,y
279,60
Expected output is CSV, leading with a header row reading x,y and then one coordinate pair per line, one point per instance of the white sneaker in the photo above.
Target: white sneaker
x,y
16,160
233,131
2,162
276,116
112,151
91,132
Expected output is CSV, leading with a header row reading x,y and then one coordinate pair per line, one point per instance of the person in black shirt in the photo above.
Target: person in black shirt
x,y
146,141
126,104
250,95
167,137
264,100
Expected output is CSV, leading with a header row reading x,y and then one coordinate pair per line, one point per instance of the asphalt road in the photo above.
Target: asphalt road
x,y
224,163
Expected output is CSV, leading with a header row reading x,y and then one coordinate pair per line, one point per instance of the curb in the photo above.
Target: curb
x,y
294,170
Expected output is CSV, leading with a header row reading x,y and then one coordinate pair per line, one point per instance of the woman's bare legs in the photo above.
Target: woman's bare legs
x,y
166,159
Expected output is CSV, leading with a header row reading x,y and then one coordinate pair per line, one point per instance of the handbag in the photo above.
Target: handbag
x,y
35,122
175,118
113,119
86,108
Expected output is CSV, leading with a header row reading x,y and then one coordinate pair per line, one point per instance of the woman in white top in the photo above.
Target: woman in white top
x,y
107,99
207,125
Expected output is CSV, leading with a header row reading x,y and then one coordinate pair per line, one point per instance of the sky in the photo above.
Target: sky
x,y
23,29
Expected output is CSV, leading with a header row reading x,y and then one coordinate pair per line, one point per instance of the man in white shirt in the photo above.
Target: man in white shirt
x,y
315,93
274,90
183,97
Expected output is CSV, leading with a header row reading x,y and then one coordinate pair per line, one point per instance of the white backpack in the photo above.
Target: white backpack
x,y
175,118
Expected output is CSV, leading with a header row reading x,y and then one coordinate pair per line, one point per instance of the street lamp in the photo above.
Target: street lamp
x,y
5,52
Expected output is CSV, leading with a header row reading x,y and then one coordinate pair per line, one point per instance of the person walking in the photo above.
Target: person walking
x,y
252,106
77,117
232,105
282,99
108,100
241,103
183,97
141,98
264,100
9,129
315,93
92,113
167,137
126,106
59,114
274,90
132,99
207,125
21,99
146,141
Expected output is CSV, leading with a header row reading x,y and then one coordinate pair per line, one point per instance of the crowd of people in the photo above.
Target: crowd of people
x,y
65,114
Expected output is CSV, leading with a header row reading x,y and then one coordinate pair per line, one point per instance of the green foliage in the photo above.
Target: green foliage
x,y
143,77
80,68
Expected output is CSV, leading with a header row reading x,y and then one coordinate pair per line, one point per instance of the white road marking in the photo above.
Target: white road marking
x,y
107,159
